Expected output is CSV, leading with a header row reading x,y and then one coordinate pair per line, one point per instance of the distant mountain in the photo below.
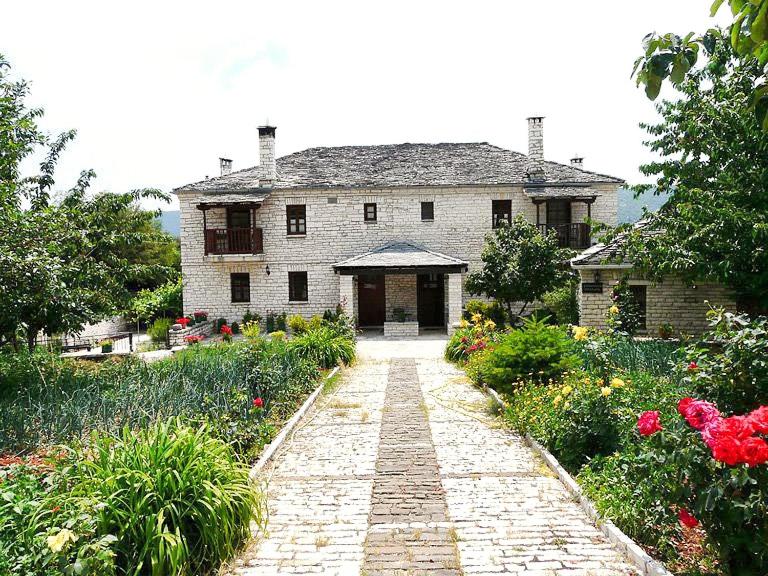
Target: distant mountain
x,y
170,222
631,208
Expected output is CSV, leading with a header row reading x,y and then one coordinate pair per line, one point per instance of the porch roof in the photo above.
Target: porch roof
x,y
218,200
400,258
578,193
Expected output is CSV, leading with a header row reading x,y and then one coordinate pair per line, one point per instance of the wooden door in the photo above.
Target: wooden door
x,y
430,300
370,300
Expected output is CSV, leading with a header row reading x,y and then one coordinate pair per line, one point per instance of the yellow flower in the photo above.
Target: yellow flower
x,y
605,391
557,400
567,390
613,310
580,332
477,317
490,325
463,323
587,381
617,383
600,382
57,542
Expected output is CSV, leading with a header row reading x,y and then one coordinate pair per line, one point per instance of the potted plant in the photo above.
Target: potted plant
x,y
183,321
200,316
106,346
399,314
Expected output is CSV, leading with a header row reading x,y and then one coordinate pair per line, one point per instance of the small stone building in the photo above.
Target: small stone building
x,y
673,301
387,231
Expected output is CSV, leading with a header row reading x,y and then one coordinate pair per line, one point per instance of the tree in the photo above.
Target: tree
x,y
62,263
674,57
519,265
714,165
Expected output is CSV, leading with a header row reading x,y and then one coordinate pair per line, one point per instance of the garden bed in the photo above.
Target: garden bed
x,y
177,337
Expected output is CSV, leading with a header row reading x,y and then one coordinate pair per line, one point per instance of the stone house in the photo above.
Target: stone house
x,y
387,231
673,301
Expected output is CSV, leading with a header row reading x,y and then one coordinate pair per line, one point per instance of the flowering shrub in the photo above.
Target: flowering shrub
x,y
196,339
470,337
200,316
624,314
183,321
226,333
721,469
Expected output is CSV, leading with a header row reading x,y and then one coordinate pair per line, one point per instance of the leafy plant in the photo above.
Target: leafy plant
x,y
280,322
491,311
298,324
249,317
270,322
470,338
158,330
624,314
219,323
325,346
163,301
563,303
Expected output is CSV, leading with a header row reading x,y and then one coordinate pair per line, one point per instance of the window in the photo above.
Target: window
x,y
502,212
241,287
238,218
296,216
639,294
369,212
297,287
558,212
427,210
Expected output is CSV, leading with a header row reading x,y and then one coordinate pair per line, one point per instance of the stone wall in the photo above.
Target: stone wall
x,y
672,301
176,337
336,231
400,292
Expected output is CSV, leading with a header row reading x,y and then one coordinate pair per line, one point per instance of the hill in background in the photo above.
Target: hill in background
x,y
630,210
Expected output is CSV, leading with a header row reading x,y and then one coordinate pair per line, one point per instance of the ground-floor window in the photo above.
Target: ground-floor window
x,y
241,287
639,295
297,287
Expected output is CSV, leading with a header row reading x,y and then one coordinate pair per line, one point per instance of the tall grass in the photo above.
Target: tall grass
x,y
656,357
46,400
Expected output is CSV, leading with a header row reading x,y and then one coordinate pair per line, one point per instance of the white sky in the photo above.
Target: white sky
x,y
159,90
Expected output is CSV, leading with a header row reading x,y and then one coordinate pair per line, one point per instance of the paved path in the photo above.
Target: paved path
x,y
402,472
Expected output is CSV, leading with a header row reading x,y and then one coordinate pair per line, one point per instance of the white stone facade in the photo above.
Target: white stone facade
x,y
671,301
336,230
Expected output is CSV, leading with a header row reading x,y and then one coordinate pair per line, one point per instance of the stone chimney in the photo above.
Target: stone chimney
x,y
536,149
267,152
577,162
226,166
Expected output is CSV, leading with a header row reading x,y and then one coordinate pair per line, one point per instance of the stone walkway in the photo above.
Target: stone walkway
x,y
402,471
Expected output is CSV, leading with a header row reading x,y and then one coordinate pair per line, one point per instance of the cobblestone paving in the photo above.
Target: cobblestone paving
x,y
402,471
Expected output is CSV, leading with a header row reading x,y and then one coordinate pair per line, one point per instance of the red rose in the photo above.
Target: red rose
x,y
225,330
754,451
692,367
258,402
687,519
182,321
759,419
727,449
699,413
683,404
648,423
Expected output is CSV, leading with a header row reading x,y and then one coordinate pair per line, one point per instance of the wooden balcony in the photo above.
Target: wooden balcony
x,y
574,235
234,241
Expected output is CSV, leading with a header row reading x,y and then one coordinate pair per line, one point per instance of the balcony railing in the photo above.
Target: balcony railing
x,y
576,235
234,241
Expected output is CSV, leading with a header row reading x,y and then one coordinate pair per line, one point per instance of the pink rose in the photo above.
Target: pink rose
x,y
699,413
648,423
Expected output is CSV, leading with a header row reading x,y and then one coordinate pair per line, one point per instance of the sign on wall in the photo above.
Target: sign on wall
x,y
591,288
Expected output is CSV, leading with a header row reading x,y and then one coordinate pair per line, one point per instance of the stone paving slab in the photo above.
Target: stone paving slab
x,y
403,471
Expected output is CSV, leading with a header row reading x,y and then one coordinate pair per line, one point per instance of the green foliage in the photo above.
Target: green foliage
x,y
733,364
607,353
519,265
249,317
624,316
326,345
536,351
489,310
235,328
163,301
298,324
158,330
563,303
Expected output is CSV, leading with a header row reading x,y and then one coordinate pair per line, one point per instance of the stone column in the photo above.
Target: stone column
x,y
347,294
455,301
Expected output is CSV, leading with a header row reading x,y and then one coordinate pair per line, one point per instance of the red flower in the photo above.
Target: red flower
x,y
687,519
727,449
258,402
182,321
464,339
648,423
472,348
699,413
225,330
754,451
759,419
692,367
683,404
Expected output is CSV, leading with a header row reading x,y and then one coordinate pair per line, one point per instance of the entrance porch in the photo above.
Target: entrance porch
x,y
402,288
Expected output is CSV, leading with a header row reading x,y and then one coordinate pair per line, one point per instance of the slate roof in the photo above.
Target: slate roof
x,y
215,199
399,255
396,165
561,192
610,255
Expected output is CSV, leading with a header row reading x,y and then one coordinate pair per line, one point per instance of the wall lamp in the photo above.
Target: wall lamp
x,y
267,270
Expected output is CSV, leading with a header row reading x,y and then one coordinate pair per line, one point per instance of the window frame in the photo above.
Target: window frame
x,y
375,207
642,303
297,212
431,205
496,212
240,287
304,297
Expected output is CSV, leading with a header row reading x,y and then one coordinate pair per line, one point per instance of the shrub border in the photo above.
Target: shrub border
x,y
628,547
271,449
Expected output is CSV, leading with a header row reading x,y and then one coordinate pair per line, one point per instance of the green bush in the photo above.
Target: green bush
x,y
563,303
219,323
606,353
298,324
164,301
488,310
325,346
249,317
175,497
158,330
535,352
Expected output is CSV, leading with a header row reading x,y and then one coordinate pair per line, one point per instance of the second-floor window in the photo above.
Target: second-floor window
x,y
296,219
297,287
369,212
238,218
501,211
427,210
